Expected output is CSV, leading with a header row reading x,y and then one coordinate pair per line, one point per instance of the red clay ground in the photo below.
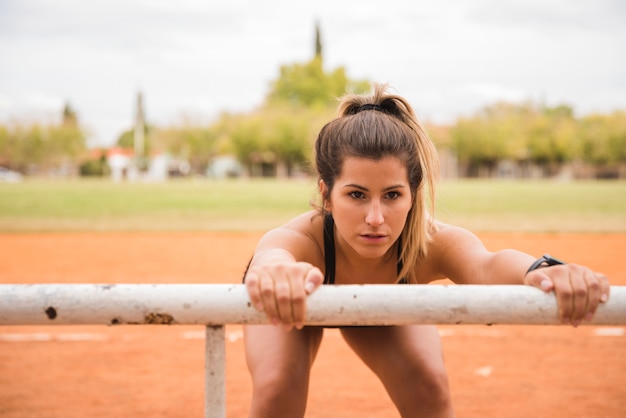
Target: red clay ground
x,y
157,371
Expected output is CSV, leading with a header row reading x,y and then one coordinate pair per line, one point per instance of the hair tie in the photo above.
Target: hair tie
x,y
370,106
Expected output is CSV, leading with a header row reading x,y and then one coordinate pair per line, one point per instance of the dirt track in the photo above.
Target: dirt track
x,y
78,371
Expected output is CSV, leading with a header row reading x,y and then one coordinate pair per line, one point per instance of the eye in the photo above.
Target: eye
x,y
393,195
356,194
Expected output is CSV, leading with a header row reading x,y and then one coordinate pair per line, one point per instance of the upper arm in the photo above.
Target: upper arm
x,y
461,256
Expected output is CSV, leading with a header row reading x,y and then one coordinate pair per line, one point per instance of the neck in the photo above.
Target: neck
x,y
353,268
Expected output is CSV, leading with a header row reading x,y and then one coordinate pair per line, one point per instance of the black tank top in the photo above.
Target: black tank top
x,y
329,251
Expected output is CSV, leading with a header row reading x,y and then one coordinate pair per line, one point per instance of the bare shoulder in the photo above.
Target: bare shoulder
x,y
450,252
446,236
302,237
455,245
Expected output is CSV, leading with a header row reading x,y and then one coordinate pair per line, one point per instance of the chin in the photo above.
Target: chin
x,y
373,253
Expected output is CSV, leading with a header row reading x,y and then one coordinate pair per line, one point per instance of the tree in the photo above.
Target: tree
x,y
279,132
318,40
552,137
307,85
6,147
519,132
247,140
488,137
127,139
289,137
603,138
69,116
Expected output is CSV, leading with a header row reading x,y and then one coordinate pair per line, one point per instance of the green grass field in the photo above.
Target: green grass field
x,y
251,205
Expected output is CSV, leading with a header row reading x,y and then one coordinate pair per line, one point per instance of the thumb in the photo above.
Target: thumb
x,y
540,280
313,280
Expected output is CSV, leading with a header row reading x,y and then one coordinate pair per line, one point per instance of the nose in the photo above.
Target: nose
x,y
374,215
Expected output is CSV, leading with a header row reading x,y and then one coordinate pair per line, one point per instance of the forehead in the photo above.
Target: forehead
x,y
387,169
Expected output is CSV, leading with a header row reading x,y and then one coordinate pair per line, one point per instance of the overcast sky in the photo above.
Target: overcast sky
x,y
197,58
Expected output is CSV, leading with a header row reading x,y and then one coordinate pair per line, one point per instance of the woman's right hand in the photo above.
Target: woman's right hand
x,y
280,289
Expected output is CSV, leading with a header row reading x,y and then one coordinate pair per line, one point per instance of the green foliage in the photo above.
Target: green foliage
x,y
318,40
603,138
277,133
94,168
127,139
308,85
69,115
282,130
190,142
547,136
552,137
41,148
494,134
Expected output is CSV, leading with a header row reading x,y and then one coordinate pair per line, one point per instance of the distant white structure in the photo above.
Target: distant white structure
x,y
133,164
157,168
120,161
122,165
224,166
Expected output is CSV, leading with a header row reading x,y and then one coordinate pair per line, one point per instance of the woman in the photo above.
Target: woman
x,y
376,169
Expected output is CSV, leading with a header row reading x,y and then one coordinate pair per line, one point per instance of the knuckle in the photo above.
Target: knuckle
x,y
282,288
566,293
602,278
266,292
580,292
251,279
594,286
282,298
298,300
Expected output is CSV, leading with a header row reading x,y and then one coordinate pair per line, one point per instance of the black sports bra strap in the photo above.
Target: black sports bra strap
x,y
329,249
400,263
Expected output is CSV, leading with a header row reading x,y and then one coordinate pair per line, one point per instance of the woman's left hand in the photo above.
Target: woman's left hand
x,y
579,290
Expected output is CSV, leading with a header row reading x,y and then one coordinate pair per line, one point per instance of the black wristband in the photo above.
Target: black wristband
x,y
545,260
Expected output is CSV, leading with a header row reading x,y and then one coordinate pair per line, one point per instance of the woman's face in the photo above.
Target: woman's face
x,y
370,202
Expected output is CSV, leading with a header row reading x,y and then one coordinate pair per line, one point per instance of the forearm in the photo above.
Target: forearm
x,y
272,256
505,267
283,245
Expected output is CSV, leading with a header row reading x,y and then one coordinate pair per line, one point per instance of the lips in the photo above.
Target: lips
x,y
373,238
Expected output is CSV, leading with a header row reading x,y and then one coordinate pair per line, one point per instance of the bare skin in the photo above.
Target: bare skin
x,y
369,203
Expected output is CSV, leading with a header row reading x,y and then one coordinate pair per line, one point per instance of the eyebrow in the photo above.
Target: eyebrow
x,y
386,189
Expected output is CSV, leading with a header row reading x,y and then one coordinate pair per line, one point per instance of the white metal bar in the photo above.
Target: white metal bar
x,y
215,372
218,304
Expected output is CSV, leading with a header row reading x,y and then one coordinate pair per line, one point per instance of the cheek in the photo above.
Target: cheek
x,y
402,213
347,213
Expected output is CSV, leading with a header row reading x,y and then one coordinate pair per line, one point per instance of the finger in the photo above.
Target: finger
x,y
540,280
594,293
313,280
580,294
268,298
605,288
252,285
563,290
283,296
298,301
